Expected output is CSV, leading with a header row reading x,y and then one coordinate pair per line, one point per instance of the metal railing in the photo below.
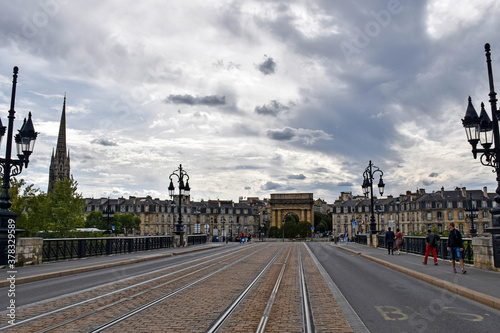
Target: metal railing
x,y
417,245
197,239
71,248
361,239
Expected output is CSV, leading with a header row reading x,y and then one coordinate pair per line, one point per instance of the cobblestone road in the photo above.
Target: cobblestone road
x,y
190,297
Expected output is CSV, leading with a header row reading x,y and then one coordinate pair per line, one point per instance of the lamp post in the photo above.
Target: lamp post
x,y
378,211
108,214
25,142
283,229
223,221
207,228
368,176
231,229
480,129
183,190
471,211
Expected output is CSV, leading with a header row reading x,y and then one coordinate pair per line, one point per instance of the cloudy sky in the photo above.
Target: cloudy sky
x,y
251,97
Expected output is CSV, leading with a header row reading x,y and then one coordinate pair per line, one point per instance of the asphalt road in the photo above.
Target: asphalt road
x,y
389,301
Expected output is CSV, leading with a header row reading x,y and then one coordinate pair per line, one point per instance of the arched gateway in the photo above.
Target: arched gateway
x,y
299,203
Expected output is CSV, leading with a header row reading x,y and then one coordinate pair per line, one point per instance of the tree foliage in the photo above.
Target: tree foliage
x,y
59,211
304,229
322,222
274,232
95,220
65,207
125,222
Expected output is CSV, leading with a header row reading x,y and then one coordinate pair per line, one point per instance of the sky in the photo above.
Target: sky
x,y
251,97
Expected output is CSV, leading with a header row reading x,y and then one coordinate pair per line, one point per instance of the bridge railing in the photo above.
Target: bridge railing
x,y
71,248
361,239
197,239
417,245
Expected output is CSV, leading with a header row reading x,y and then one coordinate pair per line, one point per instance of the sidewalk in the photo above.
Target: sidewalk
x,y
74,266
477,284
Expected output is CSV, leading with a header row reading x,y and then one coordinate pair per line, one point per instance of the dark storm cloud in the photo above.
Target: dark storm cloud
x,y
268,66
285,134
299,177
271,186
212,100
427,182
104,142
434,175
273,108
348,184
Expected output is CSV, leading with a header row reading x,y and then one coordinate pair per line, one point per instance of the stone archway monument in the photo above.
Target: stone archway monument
x,y
282,204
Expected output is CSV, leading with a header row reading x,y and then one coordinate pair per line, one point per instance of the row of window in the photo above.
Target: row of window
x,y
413,206
165,209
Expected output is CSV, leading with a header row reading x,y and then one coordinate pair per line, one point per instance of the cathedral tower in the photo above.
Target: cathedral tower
x,y
59,163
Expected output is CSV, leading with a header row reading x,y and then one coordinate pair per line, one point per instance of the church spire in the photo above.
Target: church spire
x,y
59,163
61,139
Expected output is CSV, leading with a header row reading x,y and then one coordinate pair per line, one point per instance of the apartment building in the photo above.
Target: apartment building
x,y
414,212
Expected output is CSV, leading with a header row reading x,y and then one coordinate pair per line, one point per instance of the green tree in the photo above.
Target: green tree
x,y
31,205
291,230
274,232
95,220
292,218
66,207
126,221
322,222
304,229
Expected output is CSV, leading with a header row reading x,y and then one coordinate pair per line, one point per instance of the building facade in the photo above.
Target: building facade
x,y
215,218
415,212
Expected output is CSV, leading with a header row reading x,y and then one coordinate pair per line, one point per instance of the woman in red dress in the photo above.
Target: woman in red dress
x,y
399,241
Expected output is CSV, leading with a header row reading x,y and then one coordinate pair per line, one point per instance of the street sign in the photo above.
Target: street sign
x,y
354,223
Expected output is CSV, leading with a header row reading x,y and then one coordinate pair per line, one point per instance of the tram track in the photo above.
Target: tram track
x,y
259,288
185,269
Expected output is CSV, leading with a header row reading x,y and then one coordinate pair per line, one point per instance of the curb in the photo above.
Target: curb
x,y
73,271
451,287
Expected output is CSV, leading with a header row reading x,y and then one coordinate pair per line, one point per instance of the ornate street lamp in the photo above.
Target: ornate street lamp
x,y
231,229
108,214
471,211
25,142
368,176
223,221
481,129
283,229
184,190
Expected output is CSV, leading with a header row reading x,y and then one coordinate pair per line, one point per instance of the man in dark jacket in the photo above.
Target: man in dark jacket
x,y
389,239
456,247
432,241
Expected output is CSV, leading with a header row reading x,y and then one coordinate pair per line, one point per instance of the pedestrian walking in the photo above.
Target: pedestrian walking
x,y
346,237
432,240
456,247
399,241
389,239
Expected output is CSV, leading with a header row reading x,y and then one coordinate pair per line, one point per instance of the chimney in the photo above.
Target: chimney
x,y
442,192
464,192
485,191
421,191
